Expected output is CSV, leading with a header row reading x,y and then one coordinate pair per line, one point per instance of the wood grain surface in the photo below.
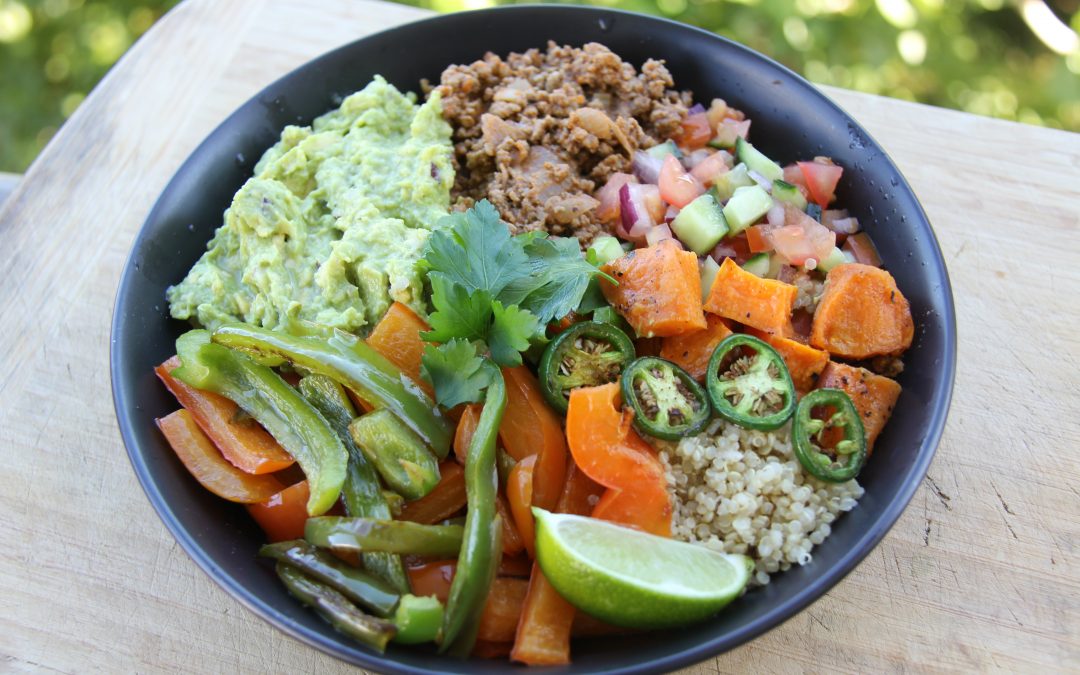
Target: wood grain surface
x,y
980,574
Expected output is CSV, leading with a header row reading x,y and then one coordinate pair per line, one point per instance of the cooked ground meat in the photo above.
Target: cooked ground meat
x,y
537,133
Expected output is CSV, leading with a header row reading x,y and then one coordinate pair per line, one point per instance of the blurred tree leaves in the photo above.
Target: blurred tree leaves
x,y
983,56
52,53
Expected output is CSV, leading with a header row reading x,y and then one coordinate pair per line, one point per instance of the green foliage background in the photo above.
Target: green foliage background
x,y
983,56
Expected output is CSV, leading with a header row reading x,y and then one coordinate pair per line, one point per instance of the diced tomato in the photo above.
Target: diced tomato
x,y
654,204
677,187
803,238
696,131
709,168
794,175
757,240
821,180
608,211
728,130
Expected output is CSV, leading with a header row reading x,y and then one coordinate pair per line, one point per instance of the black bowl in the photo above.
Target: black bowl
x,y
792,120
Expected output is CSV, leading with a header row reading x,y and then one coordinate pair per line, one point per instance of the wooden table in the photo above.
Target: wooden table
x,y
981,573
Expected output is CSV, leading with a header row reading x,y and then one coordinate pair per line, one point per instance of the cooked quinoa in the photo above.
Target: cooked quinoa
x,y
743,491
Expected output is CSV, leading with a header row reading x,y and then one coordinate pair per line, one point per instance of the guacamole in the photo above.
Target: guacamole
x,y
329,227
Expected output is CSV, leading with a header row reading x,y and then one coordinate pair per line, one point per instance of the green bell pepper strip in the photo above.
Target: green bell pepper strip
x,y
587,354
398,454
395,501
805,429
668,402
504,464
391,536
753,390
418,619
355,584
336,609
481,547
362,493
352,362
259,391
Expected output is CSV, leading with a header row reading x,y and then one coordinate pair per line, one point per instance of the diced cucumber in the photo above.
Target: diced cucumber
x,y
726,183
709,269
746,206
835,257
700,225
786,192
664,149
755,160
604,249
758,265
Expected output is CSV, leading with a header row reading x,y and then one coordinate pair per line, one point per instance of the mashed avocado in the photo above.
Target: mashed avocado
x,y
330,226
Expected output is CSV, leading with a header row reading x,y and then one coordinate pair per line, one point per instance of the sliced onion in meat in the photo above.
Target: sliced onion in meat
x,y
646,167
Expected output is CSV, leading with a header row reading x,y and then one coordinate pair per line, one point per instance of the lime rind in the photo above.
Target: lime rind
x,y
635,579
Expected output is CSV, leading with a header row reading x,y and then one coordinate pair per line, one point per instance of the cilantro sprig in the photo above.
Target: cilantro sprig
x,y
492,295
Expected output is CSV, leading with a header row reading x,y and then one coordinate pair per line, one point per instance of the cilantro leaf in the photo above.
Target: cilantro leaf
x,y
510,333
474,250
558,278
457,372
458,313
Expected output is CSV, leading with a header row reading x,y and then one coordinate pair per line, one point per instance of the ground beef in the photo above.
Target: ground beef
x,y
537,133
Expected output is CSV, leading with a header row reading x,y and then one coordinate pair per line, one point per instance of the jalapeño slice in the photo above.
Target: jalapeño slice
x,y
586,354
749,383
846,457
667,402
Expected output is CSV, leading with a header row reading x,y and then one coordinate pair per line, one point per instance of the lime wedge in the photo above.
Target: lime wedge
x,y
634,579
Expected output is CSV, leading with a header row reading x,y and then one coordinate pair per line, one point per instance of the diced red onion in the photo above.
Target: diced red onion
x,y
671,213
695,109
735,248
843,225
658,234
634,214
694,158
775,216
786,274
646,167
764,182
